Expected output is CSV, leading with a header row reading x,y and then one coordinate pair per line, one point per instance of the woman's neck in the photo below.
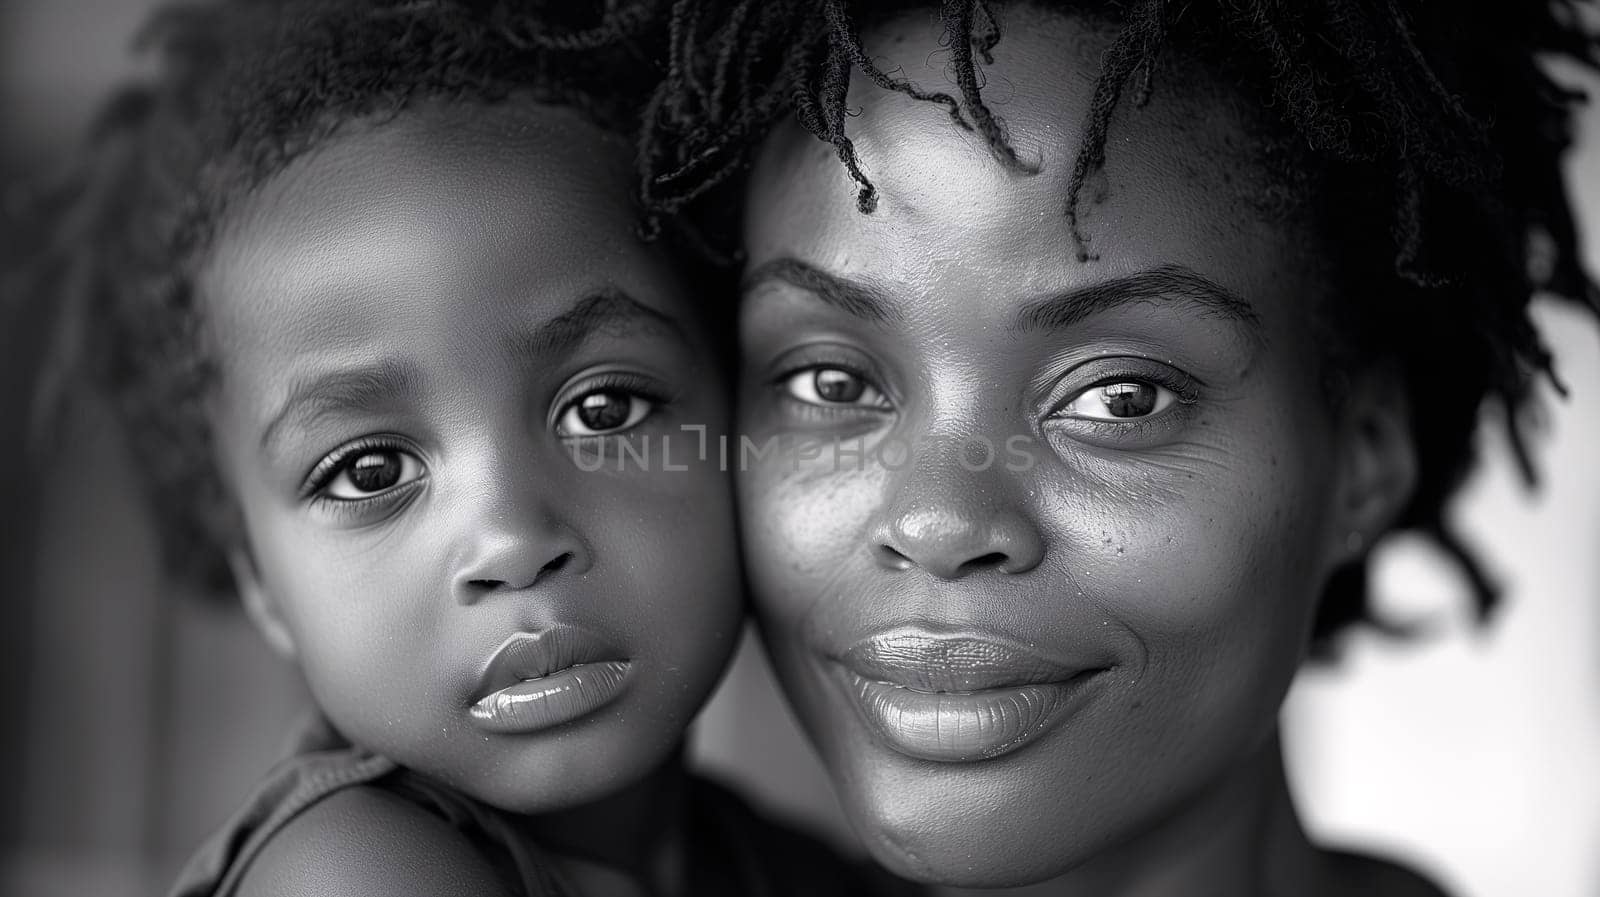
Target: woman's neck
x,y
1240,838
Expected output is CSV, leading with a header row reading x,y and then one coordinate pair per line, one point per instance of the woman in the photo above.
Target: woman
x,y
1082,392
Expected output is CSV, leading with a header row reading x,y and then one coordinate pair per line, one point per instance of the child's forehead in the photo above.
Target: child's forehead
x,y
504,182
442,152
502,223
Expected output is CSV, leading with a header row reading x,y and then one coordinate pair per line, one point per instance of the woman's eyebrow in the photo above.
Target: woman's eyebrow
x,y
1165,284
610,309
343,389
853,297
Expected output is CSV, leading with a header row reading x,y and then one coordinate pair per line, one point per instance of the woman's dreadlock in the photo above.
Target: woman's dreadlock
x,y
1450,114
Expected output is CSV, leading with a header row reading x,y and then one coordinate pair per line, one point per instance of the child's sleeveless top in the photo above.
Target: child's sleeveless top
x,y
734,852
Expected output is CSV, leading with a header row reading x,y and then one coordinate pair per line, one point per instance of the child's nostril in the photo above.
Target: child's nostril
x,y
555,564
552,566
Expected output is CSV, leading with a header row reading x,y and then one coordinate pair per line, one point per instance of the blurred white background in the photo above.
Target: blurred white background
x,y
1471,752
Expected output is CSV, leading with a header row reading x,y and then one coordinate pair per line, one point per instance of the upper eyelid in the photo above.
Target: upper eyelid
x,y
1110,367
820,355
329,465
651,389
867,372
1059,391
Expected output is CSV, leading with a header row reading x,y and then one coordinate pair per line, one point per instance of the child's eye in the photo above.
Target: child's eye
x,y
369,473
601,412
833,386
1119,400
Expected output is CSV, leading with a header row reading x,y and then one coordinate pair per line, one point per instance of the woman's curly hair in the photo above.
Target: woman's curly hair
x,y
1436,127
240,89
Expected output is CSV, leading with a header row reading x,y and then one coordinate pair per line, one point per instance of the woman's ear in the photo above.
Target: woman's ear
x,y
1378,464
259,603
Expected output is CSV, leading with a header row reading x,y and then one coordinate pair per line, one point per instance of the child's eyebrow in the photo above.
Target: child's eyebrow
x,y
608,309
853,297
386,380
342,389
1165,284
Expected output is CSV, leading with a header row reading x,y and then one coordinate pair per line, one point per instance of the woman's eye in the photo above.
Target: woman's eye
x,y
373,472
602,412
1122,400
833,386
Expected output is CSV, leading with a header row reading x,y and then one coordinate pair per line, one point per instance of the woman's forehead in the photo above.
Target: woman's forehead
x,y
1189,152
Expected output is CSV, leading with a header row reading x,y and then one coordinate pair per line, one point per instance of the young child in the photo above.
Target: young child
x,y
364,281
1122,334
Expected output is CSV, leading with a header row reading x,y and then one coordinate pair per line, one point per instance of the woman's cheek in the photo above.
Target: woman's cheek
x,y
804,523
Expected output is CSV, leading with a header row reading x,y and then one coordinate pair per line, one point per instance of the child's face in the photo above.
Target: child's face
x,y
423,330
1073,612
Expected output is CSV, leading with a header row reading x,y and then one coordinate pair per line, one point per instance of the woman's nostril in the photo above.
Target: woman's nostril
x,y
992,559
890,557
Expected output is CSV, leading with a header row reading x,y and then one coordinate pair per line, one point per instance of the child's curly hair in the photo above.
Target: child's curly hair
x,y
241,88
1435,125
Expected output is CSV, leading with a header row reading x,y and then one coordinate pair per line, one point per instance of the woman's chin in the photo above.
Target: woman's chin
x,y
939,839
940,861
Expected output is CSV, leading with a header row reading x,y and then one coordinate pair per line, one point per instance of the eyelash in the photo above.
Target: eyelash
x,y
615,381
817,360
1184,387
330,467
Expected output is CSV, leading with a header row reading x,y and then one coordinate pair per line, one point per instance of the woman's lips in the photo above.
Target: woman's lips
x,y
537,680
959,698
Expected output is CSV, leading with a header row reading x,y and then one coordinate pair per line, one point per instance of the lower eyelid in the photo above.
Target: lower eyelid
x,y
1113,430
359,507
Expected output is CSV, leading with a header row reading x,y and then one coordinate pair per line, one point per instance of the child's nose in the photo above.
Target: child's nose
x,y
517,544
952,522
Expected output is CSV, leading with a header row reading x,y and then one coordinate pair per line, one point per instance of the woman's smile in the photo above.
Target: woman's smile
x,y
960,696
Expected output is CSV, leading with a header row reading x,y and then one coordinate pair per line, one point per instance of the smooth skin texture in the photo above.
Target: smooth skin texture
x,y
1170,490
411,322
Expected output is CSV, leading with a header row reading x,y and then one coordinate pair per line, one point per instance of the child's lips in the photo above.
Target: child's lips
x,y
545,678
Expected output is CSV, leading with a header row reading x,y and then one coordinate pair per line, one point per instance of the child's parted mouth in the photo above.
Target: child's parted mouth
x,y
541,679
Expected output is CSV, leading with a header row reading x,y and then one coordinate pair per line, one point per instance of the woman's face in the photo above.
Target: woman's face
x,y
434,334
1035,542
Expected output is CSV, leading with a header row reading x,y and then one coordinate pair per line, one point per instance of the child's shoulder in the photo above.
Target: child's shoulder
x,y
752,846
365,840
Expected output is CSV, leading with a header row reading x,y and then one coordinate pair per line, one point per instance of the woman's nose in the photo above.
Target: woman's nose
x,y
951,521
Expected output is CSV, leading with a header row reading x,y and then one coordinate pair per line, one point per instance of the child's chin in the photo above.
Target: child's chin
x,y
545,774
